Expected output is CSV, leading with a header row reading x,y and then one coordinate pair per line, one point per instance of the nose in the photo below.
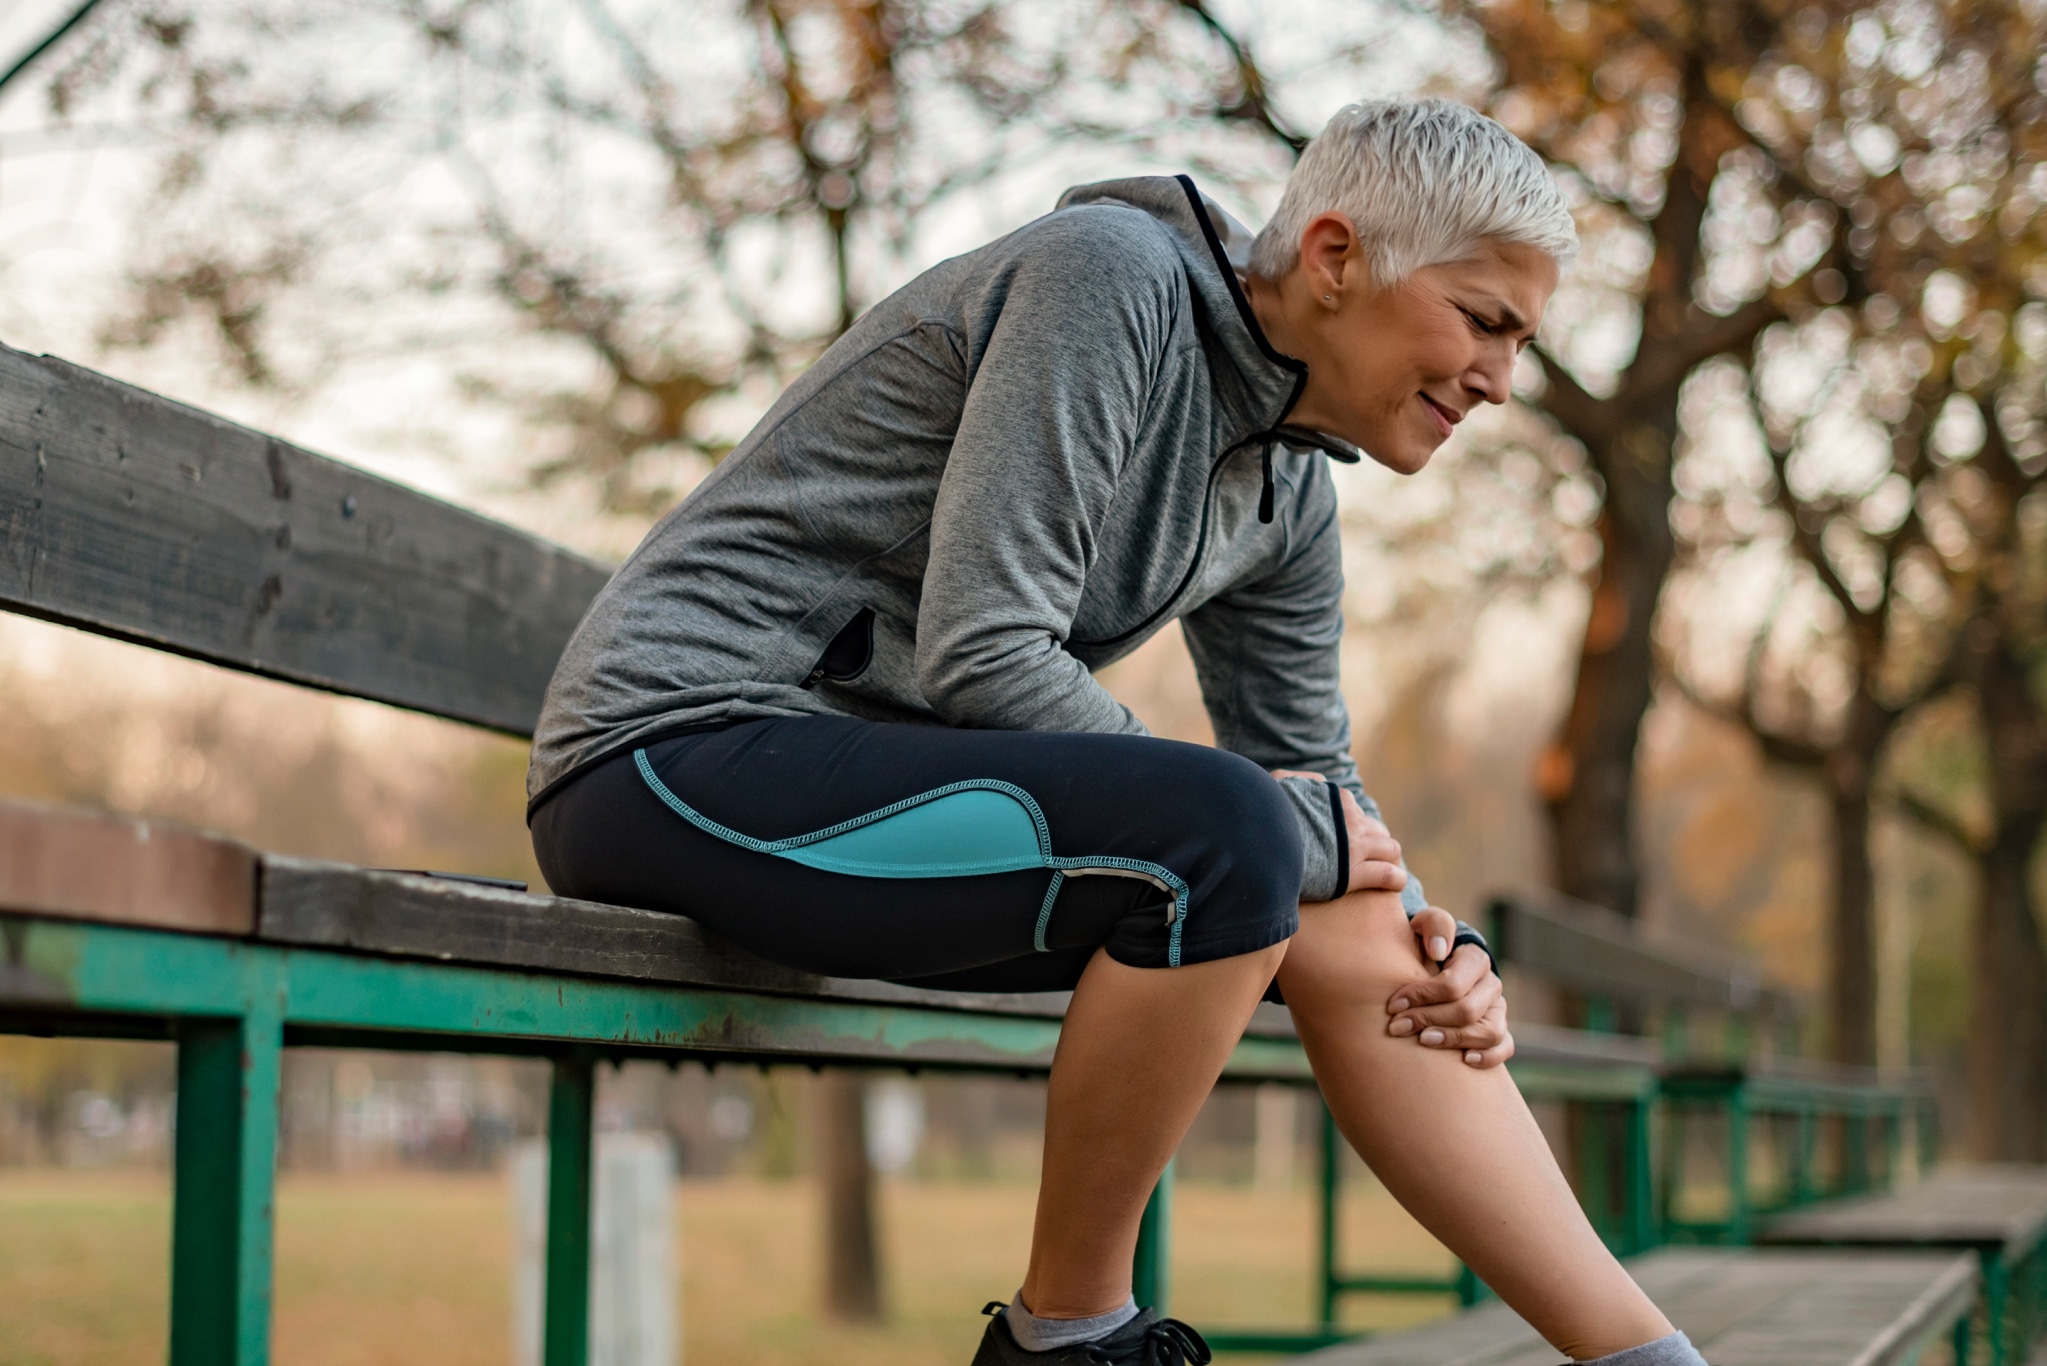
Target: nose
x,y
1491,377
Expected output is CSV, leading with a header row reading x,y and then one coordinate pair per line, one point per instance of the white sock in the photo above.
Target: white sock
x,y
1675,1350
1034,1334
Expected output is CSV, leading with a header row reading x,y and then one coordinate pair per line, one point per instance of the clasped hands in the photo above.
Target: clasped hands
x,y
1457,1002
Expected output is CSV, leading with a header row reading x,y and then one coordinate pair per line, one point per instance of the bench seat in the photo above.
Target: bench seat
x,y
1742,1307
2000,1208
96,867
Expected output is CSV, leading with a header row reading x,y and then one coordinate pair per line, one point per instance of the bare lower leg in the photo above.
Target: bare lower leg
x,y
1140,1050
1453,1143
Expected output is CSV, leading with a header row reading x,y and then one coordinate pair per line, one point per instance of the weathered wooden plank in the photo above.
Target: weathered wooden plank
x,y
90,865
1589,949
1741,1307
131,516
404,915
1995,1206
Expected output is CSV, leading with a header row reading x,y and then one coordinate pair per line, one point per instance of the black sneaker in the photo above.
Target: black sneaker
x,y
1146,1340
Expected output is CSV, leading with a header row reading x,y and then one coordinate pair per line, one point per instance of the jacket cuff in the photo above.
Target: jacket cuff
x,y
1320,834
1467,935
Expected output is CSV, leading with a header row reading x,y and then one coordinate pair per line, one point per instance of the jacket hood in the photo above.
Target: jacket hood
x,y
1216,250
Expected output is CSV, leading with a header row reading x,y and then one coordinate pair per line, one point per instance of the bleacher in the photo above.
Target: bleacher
x,y
130,516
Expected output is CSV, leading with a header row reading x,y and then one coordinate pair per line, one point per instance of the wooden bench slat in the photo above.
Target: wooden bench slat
x,y
1590,949
1740,1307
88,865
129,515
2002,1206
332,905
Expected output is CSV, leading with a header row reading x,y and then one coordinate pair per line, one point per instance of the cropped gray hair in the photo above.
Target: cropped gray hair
x,y
1423,182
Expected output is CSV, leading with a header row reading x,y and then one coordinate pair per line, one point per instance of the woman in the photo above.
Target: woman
x,y
839,705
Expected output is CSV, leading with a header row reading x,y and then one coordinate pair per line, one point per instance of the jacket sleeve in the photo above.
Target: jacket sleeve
x,y
1052,413
1267,654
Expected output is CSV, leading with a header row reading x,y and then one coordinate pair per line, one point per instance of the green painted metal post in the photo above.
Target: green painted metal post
x,y
1332,1179
1855,1149
1996,1289
1737,1165
571,1106
1804,1187
1152,1267
224,1168
1640,1223
1595,1168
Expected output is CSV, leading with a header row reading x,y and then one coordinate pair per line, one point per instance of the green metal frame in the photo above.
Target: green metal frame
x,y
232,1006
1872,1119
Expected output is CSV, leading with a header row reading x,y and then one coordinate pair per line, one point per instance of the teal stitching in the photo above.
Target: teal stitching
x,y
1050,860
1045,912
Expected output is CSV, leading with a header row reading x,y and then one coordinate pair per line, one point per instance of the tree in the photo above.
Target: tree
x,y
1622,99
1910,121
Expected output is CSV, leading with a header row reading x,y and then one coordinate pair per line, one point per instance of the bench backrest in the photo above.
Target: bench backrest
x,y
1595,952
128,515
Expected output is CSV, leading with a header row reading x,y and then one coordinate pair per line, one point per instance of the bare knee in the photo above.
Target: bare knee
x,y
1357,947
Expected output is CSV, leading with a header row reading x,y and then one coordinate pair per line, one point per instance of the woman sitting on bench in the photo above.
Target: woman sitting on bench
x,y
839,706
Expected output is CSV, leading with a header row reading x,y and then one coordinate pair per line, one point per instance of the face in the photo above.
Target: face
x,y
1395,370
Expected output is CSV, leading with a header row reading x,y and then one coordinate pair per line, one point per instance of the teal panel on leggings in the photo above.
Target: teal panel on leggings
x,y
958,835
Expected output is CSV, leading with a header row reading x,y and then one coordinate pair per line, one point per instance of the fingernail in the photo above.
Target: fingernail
x,y
1402,1027
1439,948
1433,1036
1474,1058
1401,1003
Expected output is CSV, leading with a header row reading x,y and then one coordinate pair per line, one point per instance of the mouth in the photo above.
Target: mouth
x,y
1446,418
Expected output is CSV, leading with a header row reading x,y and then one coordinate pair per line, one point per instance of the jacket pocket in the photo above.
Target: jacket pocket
x,y
849,654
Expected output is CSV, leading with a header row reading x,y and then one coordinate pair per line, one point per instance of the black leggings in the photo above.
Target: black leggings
x,y
971,859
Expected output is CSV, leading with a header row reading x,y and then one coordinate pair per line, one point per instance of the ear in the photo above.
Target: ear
x,y
1332,258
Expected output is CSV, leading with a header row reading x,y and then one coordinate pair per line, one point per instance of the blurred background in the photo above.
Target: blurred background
x,y
1733,622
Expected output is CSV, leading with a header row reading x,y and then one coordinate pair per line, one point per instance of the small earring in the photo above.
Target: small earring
x,y
1329,296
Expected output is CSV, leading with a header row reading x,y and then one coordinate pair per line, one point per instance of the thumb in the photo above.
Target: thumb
x,y
1436,928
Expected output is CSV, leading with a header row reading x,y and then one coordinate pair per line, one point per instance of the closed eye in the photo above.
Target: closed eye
x,y
1483,327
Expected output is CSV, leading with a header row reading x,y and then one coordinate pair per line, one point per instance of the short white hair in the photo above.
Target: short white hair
x,y
1422,182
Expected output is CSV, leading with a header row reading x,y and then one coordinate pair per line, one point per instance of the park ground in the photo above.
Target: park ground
x,y
392,1268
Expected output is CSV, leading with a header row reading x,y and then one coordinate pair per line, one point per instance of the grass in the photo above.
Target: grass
x,y
388,1269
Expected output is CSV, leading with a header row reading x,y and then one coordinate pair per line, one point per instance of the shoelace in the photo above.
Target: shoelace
x,y
1168,1342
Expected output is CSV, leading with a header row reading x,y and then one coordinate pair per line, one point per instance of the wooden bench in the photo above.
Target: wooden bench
x,y
1997,1212
1740,1307
130,516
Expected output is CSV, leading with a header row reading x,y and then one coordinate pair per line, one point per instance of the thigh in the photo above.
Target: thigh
x,y
912,852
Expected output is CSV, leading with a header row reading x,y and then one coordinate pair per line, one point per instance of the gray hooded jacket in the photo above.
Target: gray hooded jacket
x,y
1009,473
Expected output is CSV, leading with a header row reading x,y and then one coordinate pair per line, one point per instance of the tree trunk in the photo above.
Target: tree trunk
x,y
852,1269
1851,927
1588,778
2007,1028
1588,775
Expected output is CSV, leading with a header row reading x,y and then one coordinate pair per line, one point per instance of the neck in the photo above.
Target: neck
x,y
1283,310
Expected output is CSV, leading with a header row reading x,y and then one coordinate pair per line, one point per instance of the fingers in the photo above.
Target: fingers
x,y
1483,1035
1466,969
1498,1053
1437,929
1468,1009
1457,1013
1376,876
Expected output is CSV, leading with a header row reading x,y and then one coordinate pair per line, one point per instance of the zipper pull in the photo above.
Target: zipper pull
x,y
1265,493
